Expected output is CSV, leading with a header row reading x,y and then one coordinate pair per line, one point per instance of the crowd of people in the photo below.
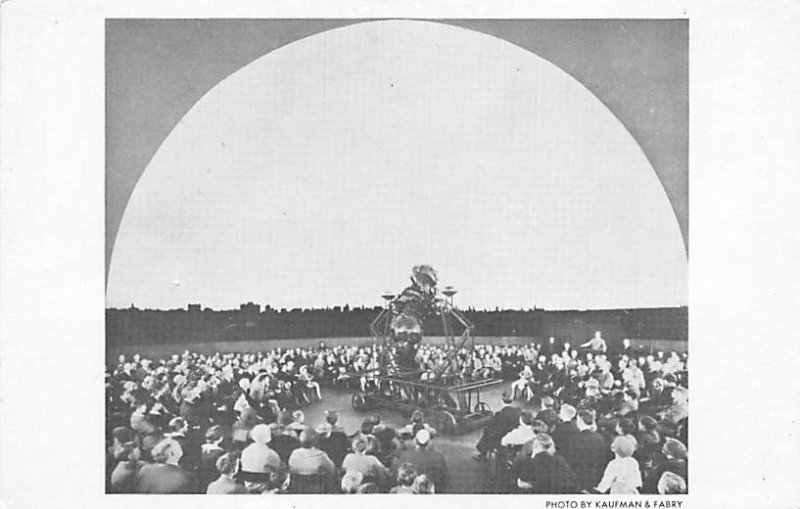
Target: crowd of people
x,y
575,419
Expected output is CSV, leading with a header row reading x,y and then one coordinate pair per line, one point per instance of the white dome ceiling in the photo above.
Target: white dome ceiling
x,y
322,172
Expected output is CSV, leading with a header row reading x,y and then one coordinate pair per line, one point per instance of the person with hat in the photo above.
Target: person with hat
x,y
259,459
503,421
426,460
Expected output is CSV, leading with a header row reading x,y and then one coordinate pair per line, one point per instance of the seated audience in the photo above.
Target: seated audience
x,y
171,420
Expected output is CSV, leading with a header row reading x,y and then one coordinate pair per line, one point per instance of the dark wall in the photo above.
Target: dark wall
x,y
151,327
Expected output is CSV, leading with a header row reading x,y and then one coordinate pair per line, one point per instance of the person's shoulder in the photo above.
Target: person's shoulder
x,y
631,462
541,460
127,466
216,487
183,473
149,468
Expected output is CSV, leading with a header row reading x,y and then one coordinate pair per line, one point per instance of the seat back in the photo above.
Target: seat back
x,y
309,484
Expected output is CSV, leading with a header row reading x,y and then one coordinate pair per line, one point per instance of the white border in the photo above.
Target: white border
x,y
744,249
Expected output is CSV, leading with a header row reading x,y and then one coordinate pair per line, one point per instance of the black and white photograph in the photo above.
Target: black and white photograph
x,y
450,248
397,256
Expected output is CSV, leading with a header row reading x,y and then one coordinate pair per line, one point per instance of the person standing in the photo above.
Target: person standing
x,y
597,344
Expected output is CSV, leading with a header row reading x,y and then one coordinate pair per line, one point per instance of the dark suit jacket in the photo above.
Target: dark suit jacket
x,y
563,436
284,445
548,474
506,419
587,454
428,462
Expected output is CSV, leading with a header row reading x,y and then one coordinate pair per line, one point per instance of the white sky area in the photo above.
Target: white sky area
x,y
319,174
